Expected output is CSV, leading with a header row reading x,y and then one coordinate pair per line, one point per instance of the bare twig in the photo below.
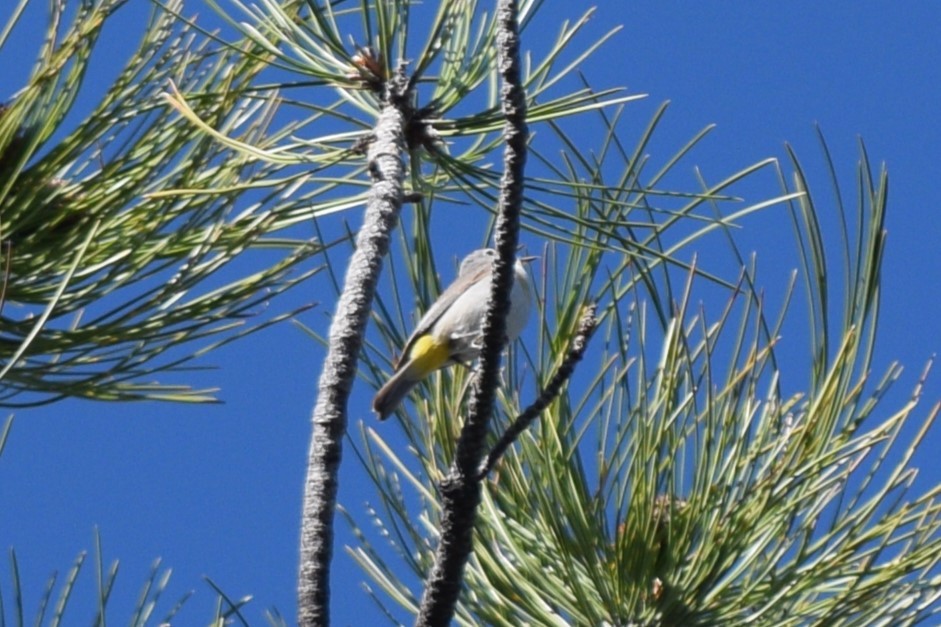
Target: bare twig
x,y
460,491
586,327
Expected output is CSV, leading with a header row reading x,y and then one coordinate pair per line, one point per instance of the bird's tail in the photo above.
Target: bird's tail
x,y
427,354
394,392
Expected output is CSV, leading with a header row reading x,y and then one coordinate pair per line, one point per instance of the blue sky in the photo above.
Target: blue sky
x,y
215,490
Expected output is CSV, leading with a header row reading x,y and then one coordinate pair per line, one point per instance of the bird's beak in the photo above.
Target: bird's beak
x,y
520,249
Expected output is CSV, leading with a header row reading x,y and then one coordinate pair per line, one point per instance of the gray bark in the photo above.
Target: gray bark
x,y
347,329
460,491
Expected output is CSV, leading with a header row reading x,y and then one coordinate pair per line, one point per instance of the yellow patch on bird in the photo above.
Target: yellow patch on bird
x,y
428,354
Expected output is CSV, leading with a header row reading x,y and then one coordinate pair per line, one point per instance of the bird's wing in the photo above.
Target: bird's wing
x,y
437,309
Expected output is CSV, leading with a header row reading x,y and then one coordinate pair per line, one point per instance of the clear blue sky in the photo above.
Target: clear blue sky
x,y
216,490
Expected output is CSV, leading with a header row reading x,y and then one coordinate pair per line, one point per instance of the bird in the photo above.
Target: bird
x,y
451,331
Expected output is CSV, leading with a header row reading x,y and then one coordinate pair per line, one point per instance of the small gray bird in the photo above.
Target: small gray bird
x,y
451,330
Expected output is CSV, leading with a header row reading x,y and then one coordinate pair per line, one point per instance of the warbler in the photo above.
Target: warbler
x,y
451,331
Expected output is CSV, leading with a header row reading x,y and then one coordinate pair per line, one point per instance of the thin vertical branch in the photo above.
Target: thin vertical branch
x,y
460,491
387,169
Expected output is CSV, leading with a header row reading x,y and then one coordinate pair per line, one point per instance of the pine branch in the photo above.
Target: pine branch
x,y
586,327
387,170
460,491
